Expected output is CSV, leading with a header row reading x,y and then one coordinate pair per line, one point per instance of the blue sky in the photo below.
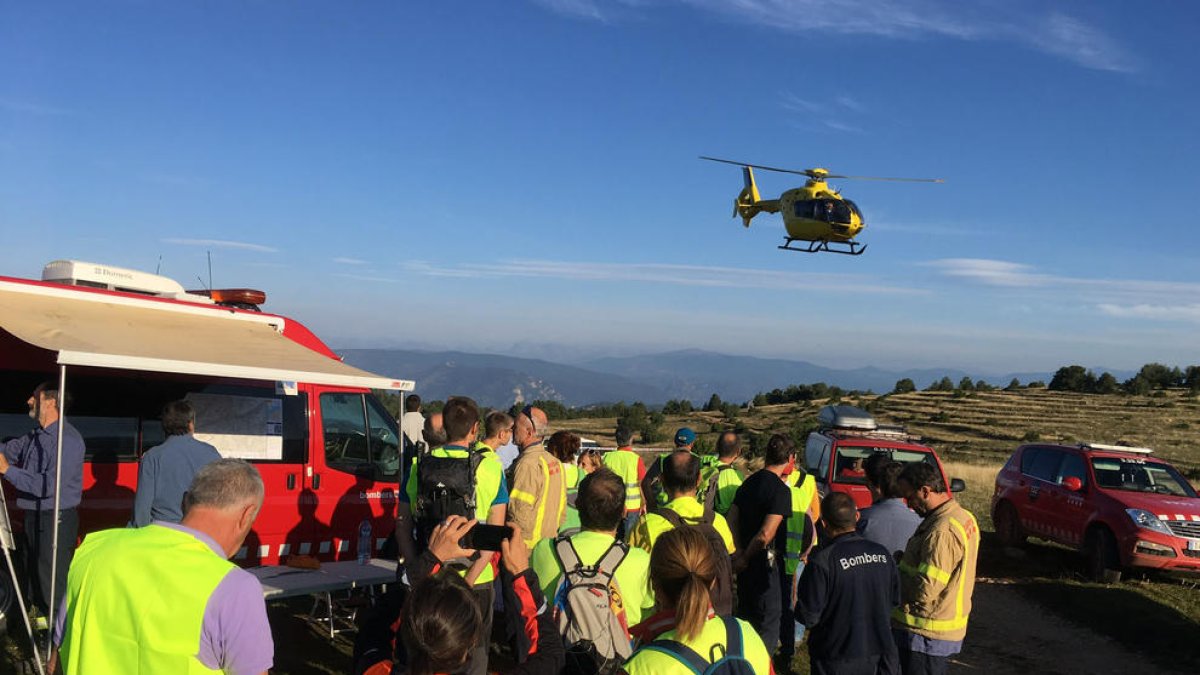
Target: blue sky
x,y
521,176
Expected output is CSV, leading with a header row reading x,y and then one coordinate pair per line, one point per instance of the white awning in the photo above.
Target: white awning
x,y
111,331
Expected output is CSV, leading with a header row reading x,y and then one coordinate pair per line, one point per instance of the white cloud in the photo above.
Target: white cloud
x,y
584,9
1024,23
222,243
664,273
1153,312
349,261
989,272
1115,298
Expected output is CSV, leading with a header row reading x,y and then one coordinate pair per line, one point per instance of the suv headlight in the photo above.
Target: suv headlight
x,y
1143,518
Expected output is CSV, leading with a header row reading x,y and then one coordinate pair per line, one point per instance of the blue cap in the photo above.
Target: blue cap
x,y
684,437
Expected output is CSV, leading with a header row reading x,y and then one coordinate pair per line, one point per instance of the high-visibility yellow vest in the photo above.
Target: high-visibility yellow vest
x,y
624,463
571,480
136,600
802,497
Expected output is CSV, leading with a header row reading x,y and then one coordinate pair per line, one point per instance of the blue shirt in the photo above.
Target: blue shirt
x,y
889,523
164,474
33,467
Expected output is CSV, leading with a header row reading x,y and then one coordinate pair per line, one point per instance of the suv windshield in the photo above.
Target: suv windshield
x,y
1139,475
850,460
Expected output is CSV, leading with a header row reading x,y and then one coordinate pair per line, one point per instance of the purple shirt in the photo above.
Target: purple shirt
x,y
33,465
235,636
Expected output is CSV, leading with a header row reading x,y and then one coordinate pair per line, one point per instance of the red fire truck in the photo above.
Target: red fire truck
x,y
265,389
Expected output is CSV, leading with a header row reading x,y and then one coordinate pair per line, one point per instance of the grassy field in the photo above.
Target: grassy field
x,y
1156,615
981,427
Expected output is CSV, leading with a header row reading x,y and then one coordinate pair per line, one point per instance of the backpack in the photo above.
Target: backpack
x,y
709,497
730,660
589,614
722,591
445,487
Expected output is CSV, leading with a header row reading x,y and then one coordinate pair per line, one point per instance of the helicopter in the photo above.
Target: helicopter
x,y
815,214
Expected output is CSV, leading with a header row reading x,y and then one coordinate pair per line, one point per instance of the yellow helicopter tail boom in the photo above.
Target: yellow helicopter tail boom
x,y
749,203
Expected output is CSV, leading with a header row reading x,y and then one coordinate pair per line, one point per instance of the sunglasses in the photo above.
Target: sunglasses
x,y
528,412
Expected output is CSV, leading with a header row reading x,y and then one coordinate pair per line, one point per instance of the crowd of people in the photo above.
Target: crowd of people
x,y
684,564
553,559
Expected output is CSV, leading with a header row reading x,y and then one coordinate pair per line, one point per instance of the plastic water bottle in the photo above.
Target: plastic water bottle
x,y
364,542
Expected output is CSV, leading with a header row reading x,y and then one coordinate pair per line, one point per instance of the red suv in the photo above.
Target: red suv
x,y
835,454
1118,505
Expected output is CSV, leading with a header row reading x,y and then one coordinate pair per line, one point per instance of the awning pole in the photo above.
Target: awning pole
x,y
8,545
62,422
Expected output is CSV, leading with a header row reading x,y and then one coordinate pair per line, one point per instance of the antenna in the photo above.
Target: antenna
x,y
210,284
158,267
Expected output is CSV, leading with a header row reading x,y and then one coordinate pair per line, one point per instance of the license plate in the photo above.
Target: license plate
x,y
1193,545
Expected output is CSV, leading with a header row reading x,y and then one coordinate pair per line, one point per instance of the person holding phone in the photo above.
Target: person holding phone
x,y
439,626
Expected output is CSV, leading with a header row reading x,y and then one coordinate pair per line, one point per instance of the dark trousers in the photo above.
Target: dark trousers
x,y
787,618
919,663
485,597
39,556
626,525
863,665
760,602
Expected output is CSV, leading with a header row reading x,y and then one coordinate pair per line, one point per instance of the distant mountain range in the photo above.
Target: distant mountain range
x,y
497,381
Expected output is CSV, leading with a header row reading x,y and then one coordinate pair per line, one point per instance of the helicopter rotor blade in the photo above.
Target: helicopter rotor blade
x,y
904,180
818,175
758,166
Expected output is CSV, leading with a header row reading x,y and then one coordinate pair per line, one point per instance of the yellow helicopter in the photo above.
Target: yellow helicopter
x,y
815,214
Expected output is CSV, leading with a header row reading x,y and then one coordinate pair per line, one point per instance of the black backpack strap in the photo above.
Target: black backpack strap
x,y
680,652
733,637
670,516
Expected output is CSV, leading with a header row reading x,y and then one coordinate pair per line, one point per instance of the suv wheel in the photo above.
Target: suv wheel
x,y
1008,525
1103,563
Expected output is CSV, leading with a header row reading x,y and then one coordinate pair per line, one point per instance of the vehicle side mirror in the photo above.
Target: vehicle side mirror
x,y
958,485
1072,483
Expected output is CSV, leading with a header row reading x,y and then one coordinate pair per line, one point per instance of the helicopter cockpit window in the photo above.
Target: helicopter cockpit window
x,y
806,209
854,209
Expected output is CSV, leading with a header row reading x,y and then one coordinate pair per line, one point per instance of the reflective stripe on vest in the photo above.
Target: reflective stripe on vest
x,y
136,601
624,464
801,499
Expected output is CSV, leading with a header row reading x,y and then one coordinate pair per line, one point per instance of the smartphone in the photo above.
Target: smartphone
x,y
486,537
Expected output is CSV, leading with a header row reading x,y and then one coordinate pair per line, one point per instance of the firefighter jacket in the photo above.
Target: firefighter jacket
x,y
538,494
937,574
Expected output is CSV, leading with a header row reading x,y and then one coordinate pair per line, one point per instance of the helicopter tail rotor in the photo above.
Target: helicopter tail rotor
x,y
746,203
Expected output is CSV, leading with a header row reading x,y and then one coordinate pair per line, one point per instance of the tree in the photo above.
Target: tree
x,y
1191,378
1159,376
677,407
1107,384
1014,385
966,384
982,385
944,384
1137,386
652,432
1073,378
714,404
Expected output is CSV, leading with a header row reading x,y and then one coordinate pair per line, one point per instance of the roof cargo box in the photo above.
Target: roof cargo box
x,y
846,417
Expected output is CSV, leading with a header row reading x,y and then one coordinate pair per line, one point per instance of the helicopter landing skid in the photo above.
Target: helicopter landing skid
x,y
852,247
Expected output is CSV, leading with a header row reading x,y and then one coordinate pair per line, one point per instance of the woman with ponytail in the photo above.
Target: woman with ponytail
x,y
685,636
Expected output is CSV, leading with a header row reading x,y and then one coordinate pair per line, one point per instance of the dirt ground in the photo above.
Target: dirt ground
x,y
1012,635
